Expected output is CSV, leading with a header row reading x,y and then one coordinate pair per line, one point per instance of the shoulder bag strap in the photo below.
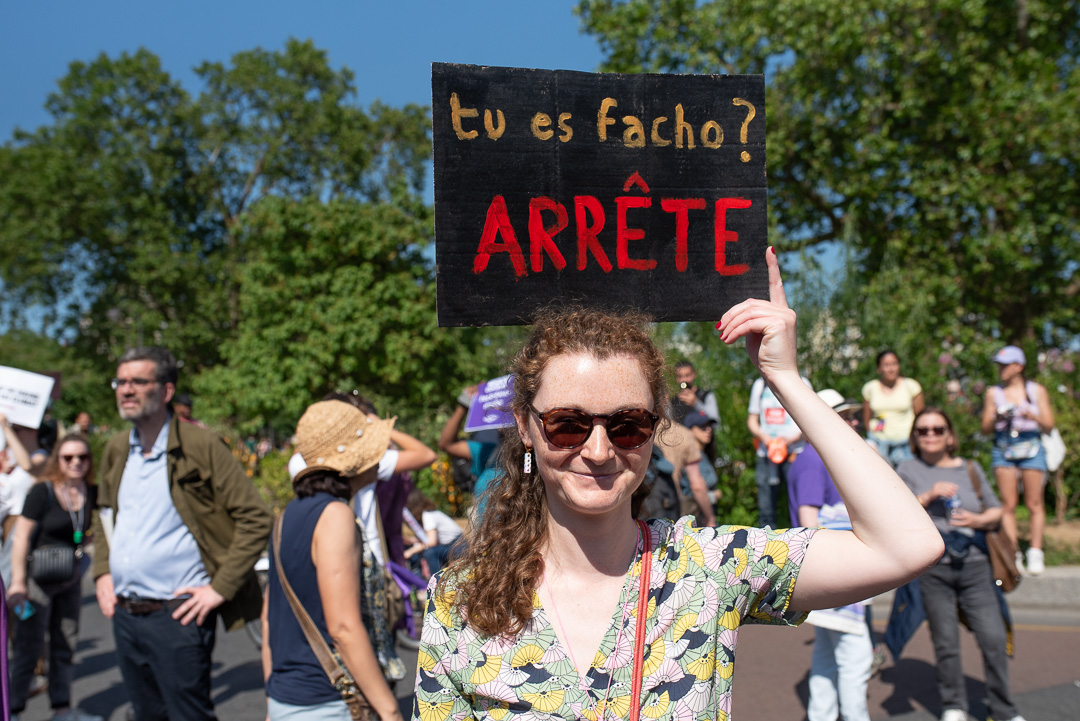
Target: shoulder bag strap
x,y
311,631
976,484
642,610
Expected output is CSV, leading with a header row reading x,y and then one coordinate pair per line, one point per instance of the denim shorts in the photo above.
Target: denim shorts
x,y
1035,463
329,711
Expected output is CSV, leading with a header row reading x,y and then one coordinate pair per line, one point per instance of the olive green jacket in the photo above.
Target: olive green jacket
x,y
217,502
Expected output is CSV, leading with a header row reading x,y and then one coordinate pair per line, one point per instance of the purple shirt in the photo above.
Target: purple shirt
x,y
809,484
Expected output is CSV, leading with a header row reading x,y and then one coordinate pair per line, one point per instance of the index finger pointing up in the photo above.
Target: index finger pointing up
x,y
776,284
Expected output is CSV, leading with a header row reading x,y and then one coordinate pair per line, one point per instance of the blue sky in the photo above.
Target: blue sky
x,y
389,45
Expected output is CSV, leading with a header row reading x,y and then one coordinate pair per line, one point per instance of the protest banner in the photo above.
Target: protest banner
x,y
24,396
619,191
490,407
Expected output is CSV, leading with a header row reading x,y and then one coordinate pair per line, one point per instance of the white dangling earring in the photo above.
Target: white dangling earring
x,y
527,468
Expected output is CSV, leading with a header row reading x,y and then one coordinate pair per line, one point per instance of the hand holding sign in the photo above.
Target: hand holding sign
x,y
769,326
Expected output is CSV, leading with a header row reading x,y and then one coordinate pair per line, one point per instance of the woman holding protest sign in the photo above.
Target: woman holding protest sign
x,y
564,604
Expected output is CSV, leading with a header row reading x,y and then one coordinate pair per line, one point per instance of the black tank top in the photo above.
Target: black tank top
x,y
296,677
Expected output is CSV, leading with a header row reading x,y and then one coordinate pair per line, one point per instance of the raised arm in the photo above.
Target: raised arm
x,y
893,539
412,453
449,442
18,450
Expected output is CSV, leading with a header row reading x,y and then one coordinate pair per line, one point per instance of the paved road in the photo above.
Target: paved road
x,y
772,676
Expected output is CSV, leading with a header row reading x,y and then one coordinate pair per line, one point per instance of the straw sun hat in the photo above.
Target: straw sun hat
x,y
335,436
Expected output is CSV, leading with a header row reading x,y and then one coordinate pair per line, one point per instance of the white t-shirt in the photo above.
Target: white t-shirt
x,y
367,510
446,529
13,489
772,416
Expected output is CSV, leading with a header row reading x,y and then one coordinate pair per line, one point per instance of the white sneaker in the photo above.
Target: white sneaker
x,y
954,714
1035,564
1020,563
1017,718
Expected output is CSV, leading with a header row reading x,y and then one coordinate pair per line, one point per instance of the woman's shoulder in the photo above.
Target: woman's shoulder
x,y
869,387
683,531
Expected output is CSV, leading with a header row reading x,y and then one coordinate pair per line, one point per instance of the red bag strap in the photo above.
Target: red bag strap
x,y
642,610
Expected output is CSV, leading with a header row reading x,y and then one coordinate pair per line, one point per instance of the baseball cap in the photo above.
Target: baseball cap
x,y
1010,354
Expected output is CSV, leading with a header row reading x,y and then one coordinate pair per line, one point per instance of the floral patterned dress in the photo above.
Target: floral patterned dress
x,y
705,582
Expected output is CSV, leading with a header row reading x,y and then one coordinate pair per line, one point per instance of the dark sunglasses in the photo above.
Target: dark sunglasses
x,y
80,457
569,428
931,430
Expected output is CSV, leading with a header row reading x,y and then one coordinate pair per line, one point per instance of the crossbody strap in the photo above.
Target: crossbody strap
x,y
311,631
976,483
642,610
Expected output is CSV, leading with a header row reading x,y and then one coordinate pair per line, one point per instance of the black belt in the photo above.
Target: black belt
x,y
142,606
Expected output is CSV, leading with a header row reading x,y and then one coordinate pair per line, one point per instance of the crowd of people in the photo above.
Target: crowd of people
x,y
593,578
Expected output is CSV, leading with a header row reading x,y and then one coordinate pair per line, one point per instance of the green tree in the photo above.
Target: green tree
x,y
339,297
125,216
938,139
267,230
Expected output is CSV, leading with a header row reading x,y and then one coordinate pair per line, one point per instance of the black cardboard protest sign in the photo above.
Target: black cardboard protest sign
x,y
621,191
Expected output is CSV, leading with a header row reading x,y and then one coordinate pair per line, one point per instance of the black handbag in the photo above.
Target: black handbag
x,y
52,564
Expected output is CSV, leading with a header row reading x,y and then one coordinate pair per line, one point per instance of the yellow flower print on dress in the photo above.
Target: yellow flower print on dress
x,y
703,666
656,707
654,656
434,710
444,606
777,551
487,670
527,654
546,700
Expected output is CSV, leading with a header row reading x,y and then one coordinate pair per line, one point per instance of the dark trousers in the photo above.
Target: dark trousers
x,y
971,587
769,476
57,615
166,666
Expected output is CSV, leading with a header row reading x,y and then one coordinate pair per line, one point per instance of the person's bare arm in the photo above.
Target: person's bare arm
x,y
700,492
20,548
412,453
449,442
335,551
918,403
989,414
1046,413
990,518
18,450
264,618
893,539
755,428
808,516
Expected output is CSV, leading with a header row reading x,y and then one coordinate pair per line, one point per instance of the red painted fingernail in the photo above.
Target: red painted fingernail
x,y
772,250
719,323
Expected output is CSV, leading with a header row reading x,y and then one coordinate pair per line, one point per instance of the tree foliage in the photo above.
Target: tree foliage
x,y
939,137
267,229
934,144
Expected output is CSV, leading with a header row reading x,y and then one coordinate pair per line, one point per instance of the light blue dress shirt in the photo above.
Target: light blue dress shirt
x,y
152,553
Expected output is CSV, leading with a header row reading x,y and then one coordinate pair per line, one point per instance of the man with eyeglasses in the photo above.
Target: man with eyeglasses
x,y
179,531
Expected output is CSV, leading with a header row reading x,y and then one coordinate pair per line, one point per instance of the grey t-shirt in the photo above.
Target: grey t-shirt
x,y
920,477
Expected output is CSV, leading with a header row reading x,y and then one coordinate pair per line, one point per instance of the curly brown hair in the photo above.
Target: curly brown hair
x,y
52,471
502,565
